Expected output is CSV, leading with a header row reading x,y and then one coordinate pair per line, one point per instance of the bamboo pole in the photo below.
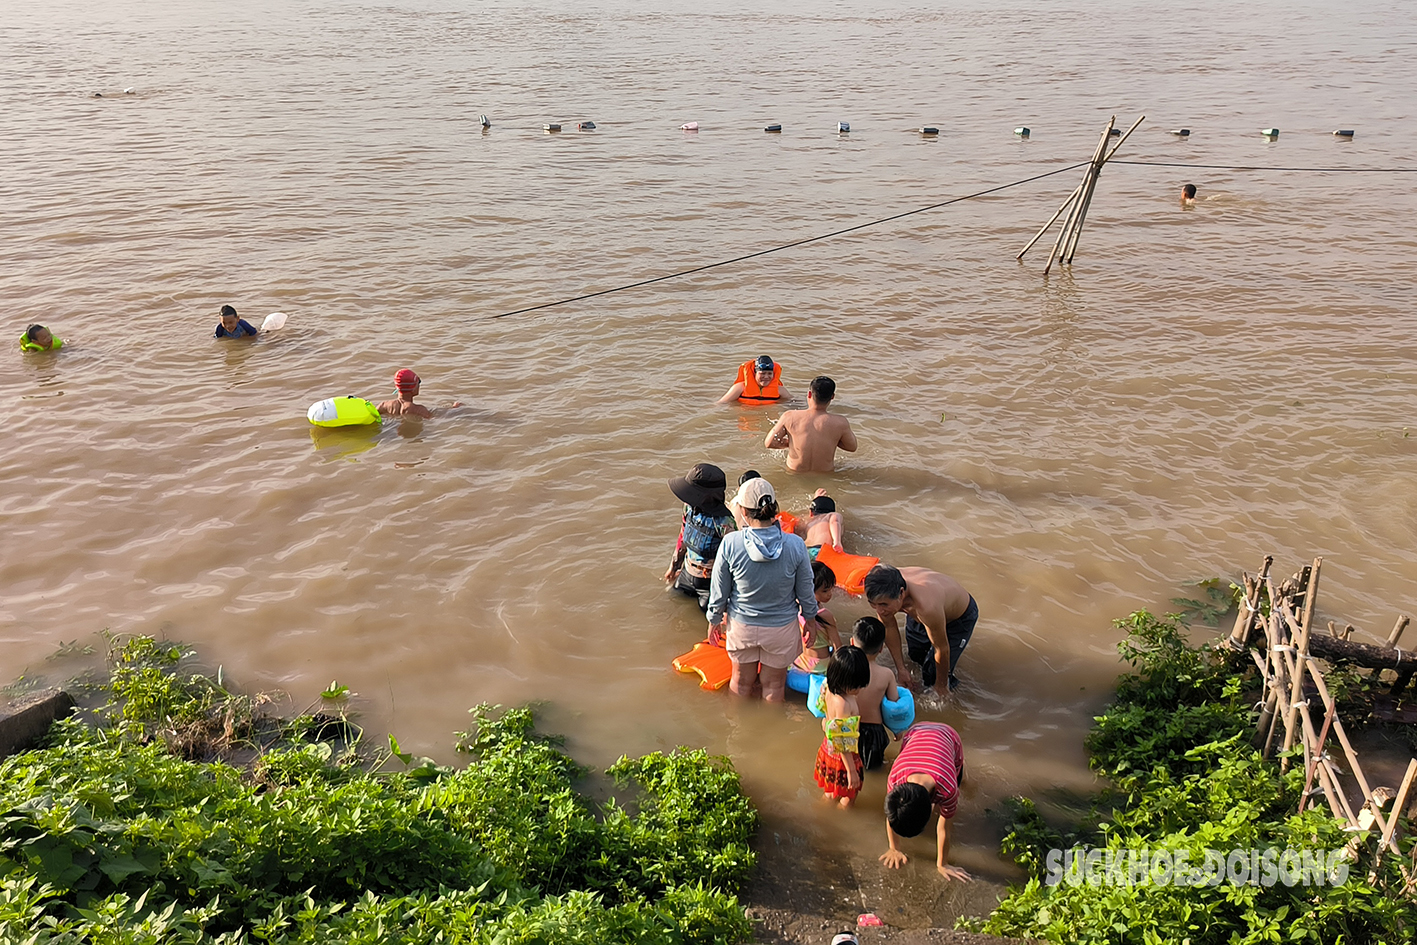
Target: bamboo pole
x,y
1264,733
1348,751
1392,638
1036,236
1397,806
1318,752
1088,179
1071,247
1250,608
1300,654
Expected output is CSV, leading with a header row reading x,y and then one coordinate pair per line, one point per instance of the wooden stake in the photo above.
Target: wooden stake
x,y
1392,638
1066,203
1088,179
1071,248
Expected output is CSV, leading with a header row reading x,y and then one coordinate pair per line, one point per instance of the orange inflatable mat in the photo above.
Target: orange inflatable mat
x,y
710,662
850,570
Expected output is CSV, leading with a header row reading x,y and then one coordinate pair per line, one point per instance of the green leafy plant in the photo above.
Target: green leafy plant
x,y
108,835
1175,744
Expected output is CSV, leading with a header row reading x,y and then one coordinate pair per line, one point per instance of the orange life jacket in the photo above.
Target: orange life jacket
x,y
752,393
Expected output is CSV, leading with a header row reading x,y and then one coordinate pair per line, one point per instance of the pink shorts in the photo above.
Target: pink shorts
x,y
774,647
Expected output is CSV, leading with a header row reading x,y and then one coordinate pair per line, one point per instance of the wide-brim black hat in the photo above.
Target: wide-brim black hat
x,y
702,489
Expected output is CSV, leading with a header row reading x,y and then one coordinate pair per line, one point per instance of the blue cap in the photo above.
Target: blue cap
x,y
764,363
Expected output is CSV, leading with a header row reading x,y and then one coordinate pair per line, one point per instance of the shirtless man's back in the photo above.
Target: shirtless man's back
x,y
812,436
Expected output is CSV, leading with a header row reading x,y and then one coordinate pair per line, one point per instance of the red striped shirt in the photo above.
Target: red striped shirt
x,y
931,748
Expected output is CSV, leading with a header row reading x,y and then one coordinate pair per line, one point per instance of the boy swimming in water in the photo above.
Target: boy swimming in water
x,y
233,325
39,338
407,383
822,526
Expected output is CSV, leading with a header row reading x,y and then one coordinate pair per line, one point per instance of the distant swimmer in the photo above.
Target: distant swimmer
x,y
407,384
812,436
939,620
1188,195
39,338
759,382
233,325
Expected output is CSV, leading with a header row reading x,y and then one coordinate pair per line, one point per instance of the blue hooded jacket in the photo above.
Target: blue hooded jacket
x,y
762,576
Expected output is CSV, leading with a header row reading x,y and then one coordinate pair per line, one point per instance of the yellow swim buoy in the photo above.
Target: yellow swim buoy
x,y
343,412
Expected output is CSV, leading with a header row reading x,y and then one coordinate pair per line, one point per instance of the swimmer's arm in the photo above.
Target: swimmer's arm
x,y
778,438
733,394
848,439
783,393
892,691
834,527
902,670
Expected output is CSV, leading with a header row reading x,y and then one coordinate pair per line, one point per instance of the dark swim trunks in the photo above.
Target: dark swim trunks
x,y
958,630
872,744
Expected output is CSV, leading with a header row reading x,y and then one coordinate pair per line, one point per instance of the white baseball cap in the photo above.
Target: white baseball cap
x,y
751,494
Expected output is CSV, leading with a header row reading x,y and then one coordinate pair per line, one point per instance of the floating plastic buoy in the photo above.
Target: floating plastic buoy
x,y
1022,132
98,95
1182,132
1115,132
586,126
689,126
486,122
128,91
843,127
551,129
927,130
773,129
1343,133
1270,132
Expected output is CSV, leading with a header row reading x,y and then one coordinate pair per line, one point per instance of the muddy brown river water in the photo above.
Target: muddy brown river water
x,y
1204,386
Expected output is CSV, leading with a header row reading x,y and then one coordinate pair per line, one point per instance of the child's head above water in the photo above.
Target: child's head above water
x,y
39,335
229,318
848,671
823,582
869,634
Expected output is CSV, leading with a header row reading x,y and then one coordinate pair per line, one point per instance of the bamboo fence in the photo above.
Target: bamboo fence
x,y
1295,691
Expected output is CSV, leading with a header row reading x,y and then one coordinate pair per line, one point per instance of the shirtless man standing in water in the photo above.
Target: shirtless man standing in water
x,y
812,436
939,620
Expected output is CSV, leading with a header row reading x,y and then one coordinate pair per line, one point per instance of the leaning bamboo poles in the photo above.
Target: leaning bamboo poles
x,y
1078,202
1293,684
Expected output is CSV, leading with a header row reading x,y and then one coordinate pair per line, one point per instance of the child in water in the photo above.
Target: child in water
x,y
838,770
819,636
870,635
407,384
39,338
233,325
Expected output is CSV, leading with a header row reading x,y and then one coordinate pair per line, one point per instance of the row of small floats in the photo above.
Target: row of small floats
x,y
844,127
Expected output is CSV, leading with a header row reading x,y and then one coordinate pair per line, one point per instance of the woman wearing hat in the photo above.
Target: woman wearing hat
x,y
706,520
762,583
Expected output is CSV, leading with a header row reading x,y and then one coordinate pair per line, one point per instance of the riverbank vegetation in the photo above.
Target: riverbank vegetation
x,y
136,826
1183,778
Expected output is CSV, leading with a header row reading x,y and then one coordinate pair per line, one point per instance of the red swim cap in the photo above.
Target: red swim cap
x,y
406,381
